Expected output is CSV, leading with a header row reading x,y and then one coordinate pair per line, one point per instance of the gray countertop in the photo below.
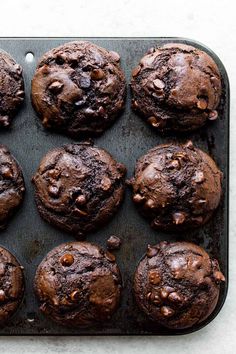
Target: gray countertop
x,y
210,22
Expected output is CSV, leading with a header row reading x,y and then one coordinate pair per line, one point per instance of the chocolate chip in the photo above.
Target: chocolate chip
x,y
106,183
18,69
67,260
6,172
56,87
75,295
198,177
158,94
154,298
115,56
113,243
135,104
136,70
151,251
154,276
138,198
174,164
174,297
150,204
202,201
53,191
80,200
179,218
110,257
167,311
2,296
54,174
97,74
214,81
46,121
174,93
4,121
121,168
202,103
158,84
20,94
155,122
189,145
101,111
55,301
218,276
213,115
164,293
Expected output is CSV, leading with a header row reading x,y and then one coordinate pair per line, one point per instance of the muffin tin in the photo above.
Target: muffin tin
x,y
30,238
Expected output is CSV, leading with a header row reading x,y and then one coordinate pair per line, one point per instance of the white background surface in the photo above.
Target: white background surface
x,y
211,22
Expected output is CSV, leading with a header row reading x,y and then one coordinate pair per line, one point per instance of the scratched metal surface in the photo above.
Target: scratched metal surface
x,y
30,238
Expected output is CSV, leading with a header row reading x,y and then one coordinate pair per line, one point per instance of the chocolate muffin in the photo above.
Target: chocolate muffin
x,y
78,284
176,87
11,87
176,186
78,187
12,186
177,284
78,88
11,285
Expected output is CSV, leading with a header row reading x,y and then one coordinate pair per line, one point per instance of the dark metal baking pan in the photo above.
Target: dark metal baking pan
x,y
30,238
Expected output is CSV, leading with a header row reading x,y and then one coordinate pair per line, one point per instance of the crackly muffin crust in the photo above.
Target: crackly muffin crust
x,y
12,186
78,284
176,87
11,88
176,186
11,285
78,187
78,88
177,284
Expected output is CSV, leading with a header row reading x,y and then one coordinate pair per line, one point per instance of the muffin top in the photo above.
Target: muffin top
x,y
11,284
78,187
11,88
78,88
176,87
12,186
177,284
78,284
176,186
